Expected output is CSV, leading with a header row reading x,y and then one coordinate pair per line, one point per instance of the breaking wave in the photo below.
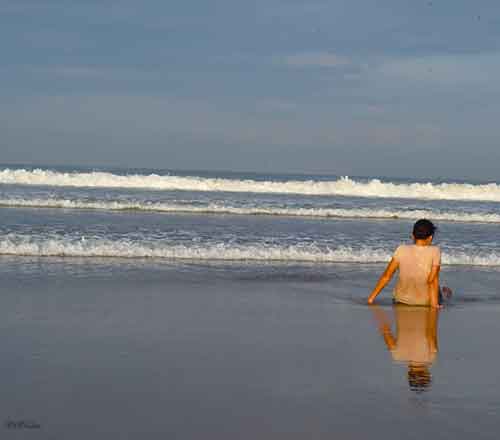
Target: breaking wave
x,y
343,186
215,208
14,244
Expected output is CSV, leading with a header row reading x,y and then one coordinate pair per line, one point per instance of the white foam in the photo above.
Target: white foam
x,y
214,208
343,186
13,244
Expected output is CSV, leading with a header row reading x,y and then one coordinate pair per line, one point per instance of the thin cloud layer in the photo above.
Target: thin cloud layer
x,y
357,87
316,59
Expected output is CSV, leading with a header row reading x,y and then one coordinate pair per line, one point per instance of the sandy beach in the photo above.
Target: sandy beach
x,y
116,349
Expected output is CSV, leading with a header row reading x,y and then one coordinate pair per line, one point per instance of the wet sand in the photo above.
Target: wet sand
x,y
155,351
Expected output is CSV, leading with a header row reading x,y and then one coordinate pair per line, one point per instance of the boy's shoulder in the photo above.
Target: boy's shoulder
x,y
401,250
404,247
436,249
409,247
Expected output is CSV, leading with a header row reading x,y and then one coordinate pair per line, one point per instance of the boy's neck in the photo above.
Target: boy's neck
x,y
425,242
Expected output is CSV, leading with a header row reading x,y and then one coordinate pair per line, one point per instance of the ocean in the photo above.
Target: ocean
x,y
195,305
206,216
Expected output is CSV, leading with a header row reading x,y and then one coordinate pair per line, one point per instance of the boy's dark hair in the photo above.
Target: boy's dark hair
x,y
423,229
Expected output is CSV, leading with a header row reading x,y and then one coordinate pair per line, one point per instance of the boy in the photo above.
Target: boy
x,y
419,265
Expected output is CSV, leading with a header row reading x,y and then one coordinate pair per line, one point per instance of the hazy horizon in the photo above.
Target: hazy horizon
x,y
195,172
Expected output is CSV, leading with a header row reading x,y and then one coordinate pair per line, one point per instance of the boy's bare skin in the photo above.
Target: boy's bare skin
x,y
392,267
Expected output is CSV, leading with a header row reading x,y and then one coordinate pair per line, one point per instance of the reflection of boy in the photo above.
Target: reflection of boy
x,y
419,265
415,341
416,335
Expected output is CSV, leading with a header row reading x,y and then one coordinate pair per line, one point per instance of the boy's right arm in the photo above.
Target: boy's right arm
x,y
433,280
433,283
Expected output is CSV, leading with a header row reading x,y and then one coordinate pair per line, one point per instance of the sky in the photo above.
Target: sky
x,y
403,88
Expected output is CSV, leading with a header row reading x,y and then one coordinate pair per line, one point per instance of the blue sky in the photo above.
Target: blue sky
x,y
358,87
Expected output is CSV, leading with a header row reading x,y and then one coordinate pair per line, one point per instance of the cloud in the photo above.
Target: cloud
x,y
317,59
445,69
266,123
96,72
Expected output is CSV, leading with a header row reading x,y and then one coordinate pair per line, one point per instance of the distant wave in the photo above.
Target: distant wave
x,y
12,244
343,186
214,208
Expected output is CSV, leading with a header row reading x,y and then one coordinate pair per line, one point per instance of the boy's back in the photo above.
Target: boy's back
x,y
415,263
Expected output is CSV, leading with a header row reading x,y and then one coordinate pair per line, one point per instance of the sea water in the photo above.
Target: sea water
x,y
215,216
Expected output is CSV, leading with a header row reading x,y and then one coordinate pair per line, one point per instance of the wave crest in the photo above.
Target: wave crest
x,y
214,208
343,186
14,244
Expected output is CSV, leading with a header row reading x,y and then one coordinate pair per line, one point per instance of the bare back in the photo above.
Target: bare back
x,y
415,265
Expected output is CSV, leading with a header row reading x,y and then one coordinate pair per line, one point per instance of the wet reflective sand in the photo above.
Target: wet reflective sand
x,y
196,352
